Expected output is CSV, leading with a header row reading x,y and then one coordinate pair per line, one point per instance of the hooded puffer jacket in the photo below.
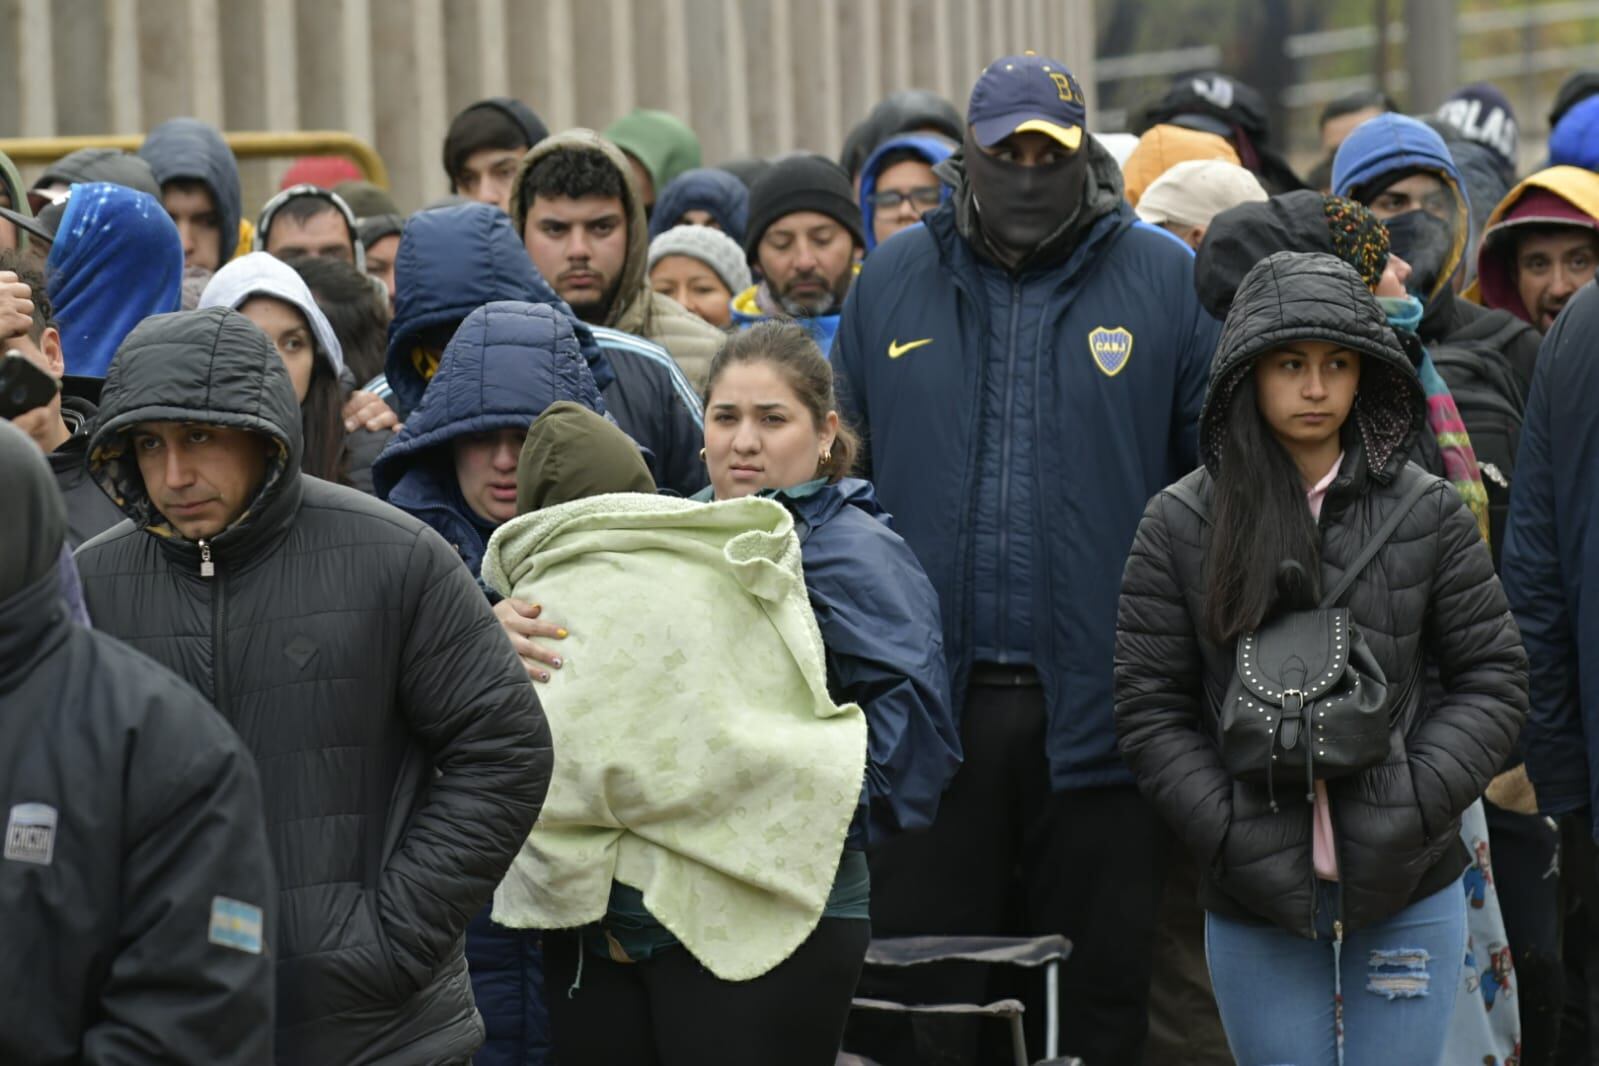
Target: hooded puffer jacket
x,y
1429,597
636,308
134,826
403,755
932,149
186,148
505,365
708,189
455,259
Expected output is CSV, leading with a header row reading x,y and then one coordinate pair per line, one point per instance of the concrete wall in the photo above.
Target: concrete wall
x,y
751,76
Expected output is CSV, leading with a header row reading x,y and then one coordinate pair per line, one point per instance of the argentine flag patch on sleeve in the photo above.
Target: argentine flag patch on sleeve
x,y
236,925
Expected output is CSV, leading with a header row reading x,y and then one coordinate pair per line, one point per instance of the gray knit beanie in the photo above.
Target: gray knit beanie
x,y
710,246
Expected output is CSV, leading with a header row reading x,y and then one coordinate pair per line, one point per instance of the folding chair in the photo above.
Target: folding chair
x,y
1031,952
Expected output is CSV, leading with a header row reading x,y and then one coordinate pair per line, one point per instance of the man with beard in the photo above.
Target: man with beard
x,y
580,214
1027,368
804,235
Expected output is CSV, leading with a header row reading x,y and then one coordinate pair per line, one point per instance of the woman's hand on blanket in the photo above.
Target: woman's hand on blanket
x,y
522,622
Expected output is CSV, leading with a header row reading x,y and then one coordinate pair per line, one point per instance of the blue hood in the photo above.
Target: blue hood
x,y
507,362
934,150
703,189
193,150
1389,146
452,261
117,259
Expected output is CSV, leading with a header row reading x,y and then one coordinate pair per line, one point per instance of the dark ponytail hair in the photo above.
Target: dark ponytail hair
x,y
322,423
1261,527
795,355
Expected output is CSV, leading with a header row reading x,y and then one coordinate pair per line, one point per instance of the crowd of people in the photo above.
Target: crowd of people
x,y
567,623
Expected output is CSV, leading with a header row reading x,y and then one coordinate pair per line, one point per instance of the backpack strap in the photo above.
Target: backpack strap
x,y
1384,533
1189,499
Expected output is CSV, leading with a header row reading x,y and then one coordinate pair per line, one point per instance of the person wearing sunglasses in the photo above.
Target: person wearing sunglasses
x,y
898,185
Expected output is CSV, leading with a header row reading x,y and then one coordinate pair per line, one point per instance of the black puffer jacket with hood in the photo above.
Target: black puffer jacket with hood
x,y
133,833
403,754
1429,596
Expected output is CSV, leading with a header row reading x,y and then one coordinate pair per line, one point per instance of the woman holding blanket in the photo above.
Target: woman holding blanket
x,y
757,689
1281,609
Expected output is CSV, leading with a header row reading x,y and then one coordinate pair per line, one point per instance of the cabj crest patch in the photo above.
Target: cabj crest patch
x,y
1111,349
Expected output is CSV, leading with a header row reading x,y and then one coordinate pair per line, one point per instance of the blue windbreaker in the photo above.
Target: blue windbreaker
x,y
1116,369
880,625
507,362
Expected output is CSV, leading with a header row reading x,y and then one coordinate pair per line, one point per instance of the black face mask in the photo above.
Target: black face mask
x,y
1424,241
1020,207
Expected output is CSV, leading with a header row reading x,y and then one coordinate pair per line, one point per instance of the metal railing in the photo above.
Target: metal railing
x,y
246,144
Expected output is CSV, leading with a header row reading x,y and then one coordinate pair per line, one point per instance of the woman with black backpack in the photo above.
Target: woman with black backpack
x,y
1279,611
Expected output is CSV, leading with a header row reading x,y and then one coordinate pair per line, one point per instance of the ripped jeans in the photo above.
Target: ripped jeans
x,y
1278,992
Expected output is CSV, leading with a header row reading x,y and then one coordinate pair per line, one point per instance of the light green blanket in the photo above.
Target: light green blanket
x,y
698,756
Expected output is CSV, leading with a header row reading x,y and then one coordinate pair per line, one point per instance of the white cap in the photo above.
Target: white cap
x,y
1194,192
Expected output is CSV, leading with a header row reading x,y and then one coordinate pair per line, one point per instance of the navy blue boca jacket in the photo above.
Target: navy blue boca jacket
x,y
1117,356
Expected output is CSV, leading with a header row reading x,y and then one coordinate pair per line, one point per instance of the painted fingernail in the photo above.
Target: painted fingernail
x,y
544,675
561,633
556,664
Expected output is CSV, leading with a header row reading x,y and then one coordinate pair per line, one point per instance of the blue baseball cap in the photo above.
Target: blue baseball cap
x,y
1028,93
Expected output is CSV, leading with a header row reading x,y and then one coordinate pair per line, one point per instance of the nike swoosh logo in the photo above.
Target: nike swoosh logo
x,y
896,349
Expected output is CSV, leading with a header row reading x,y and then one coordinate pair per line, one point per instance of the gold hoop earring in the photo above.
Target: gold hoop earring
x,y
702,455
827,456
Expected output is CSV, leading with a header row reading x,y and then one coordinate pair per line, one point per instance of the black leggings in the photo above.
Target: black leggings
x,y
671,1011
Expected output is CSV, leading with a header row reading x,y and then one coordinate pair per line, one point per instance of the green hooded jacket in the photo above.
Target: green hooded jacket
x,y
17,196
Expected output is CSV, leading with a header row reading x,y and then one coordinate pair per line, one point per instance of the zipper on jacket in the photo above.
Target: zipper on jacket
x,y
219,656
207,567
1002,632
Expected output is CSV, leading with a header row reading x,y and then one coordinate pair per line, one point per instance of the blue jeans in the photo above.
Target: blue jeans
x,y
1278,996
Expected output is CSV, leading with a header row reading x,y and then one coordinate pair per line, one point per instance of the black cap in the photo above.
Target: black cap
x,y
801,183
43,225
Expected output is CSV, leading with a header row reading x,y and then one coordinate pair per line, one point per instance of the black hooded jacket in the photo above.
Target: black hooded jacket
x,y
402,751
187,149
1429,596
132,809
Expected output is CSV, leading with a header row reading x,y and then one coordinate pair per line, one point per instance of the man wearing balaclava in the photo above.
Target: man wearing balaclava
x,y
1027,367
1402,170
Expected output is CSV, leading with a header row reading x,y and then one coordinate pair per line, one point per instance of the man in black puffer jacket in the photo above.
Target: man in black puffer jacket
x,y
1429,594
136,905
403,754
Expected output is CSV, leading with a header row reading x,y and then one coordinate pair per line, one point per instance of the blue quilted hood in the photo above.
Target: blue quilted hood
x,y
452,261
506,363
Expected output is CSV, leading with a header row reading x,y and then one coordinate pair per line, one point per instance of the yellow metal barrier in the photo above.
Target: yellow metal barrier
x,y
248,144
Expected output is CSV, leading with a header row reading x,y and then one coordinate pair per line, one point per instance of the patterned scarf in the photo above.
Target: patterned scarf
x,y
1460,461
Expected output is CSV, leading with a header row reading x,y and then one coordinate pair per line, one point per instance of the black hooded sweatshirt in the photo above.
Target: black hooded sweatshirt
x,y
1429,597
403,753
136,899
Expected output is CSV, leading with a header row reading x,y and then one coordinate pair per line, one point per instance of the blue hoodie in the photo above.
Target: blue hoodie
x,y
188,149
506,363
116,260
1385,148
933,150
707,189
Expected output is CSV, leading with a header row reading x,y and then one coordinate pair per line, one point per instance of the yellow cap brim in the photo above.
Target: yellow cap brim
x,y
1069,136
